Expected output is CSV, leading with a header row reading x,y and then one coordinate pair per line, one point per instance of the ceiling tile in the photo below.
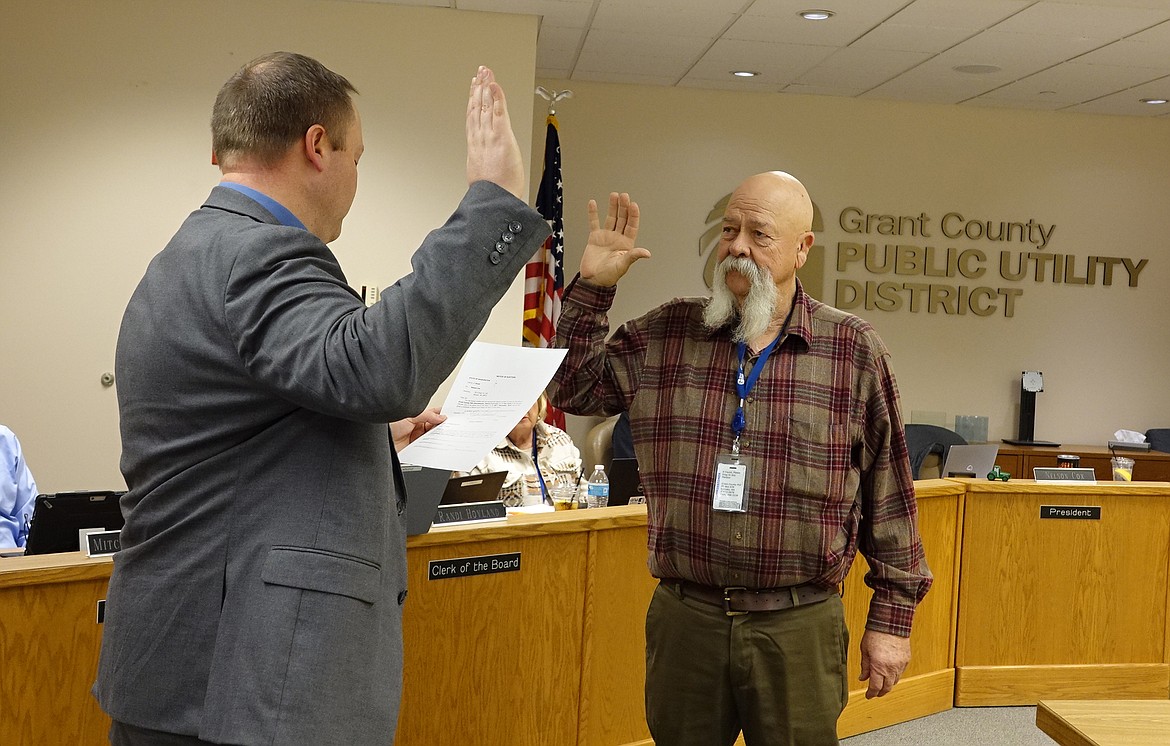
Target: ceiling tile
x,y
1037,104
1064,19
554,12
1092,55
868,12
1128,53
622,44
825,90
958,14
1072,83
631,78
782,63
862,69
656,19
754,85
1159,34
557,47
913,38
835,32
1017,54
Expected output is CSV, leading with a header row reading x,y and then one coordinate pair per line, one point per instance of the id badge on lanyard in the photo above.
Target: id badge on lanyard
x,y
731,481
731,469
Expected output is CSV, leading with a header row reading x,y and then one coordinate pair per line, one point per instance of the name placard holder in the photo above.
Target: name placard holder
x,y
99,542
1071,512
461,567
491,510
1057,475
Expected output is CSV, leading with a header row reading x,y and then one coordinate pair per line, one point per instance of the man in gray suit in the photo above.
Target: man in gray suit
x,y
258,595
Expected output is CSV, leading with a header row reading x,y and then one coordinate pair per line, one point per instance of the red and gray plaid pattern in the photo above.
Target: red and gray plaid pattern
x,y
829,471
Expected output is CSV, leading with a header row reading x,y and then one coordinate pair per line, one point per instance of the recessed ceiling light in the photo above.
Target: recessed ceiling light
x,y
815,14
744,73
977,69
1153,100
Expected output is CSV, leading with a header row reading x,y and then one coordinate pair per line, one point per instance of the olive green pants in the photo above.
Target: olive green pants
x,y
779,676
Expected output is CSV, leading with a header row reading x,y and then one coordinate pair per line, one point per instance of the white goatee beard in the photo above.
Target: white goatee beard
x,y
759,307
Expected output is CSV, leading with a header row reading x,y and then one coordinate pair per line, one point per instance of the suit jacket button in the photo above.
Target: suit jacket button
x,y
494,257
515,226
401,597
501,247
508,237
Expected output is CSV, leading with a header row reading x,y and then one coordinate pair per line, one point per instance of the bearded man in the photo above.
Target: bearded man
x,y
771,448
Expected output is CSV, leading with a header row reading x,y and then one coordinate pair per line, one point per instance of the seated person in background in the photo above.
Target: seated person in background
x,y
623,439
537,457
18,492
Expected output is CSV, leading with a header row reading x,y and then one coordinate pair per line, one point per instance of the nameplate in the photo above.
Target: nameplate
x,y
461,567
1071,512
102,543
492,510
1056,475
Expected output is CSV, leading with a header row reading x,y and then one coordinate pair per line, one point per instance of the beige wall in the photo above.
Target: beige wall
x,y
105,106
1101,180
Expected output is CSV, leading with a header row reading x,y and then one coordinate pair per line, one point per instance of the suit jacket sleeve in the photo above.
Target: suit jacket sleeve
x,y
301,330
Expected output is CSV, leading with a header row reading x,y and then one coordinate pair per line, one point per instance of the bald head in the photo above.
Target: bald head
x,y
780,194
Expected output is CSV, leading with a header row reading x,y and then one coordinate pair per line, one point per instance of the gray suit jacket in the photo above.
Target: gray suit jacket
x,y
258,595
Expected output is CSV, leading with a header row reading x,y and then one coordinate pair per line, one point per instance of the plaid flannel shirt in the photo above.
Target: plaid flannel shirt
x,y
829,470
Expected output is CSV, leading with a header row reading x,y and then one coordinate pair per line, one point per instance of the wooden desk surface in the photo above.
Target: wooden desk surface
x,y
1086,450
1106,722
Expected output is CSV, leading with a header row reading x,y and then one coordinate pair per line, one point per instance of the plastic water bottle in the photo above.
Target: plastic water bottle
x,y
598,493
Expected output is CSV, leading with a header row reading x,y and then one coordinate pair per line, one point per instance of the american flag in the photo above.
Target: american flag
x,y
544,276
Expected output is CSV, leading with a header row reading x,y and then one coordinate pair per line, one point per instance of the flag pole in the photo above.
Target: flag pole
x,y
544,277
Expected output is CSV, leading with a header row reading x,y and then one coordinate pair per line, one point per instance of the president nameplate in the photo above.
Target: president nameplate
x,y
1071,512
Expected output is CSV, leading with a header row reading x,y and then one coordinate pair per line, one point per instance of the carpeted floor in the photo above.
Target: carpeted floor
x,y
961,726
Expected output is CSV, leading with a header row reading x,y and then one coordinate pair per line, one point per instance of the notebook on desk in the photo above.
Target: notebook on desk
x,y
57,519
970,461
424,489
475,488
624,481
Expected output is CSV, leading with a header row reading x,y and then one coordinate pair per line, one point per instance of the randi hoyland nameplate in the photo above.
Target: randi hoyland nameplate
x,y
461,567
1071,512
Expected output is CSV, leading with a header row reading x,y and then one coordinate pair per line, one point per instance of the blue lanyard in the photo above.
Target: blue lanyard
x,y
744,386
536,463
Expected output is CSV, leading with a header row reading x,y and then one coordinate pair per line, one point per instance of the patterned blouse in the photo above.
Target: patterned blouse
x,y
560,461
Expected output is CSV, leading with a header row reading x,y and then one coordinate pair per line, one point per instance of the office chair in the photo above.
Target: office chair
x,y
923,440
1159,439
599,445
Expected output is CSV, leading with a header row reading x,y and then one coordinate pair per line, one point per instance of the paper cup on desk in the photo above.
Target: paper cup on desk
x,y
564,496
1122,469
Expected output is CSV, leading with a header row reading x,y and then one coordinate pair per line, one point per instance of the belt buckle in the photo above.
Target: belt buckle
x,y
727,600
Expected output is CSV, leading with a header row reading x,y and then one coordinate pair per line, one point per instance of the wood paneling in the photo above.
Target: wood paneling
x,y
1055,593
49,643
554,653
1105,723
992,686
1149,466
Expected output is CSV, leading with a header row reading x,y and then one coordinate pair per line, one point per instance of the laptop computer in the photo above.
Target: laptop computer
x,y
57,518
475,488
970,461
424,489
624,481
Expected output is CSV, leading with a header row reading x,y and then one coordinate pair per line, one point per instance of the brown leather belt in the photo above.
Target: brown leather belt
x,y
736,600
